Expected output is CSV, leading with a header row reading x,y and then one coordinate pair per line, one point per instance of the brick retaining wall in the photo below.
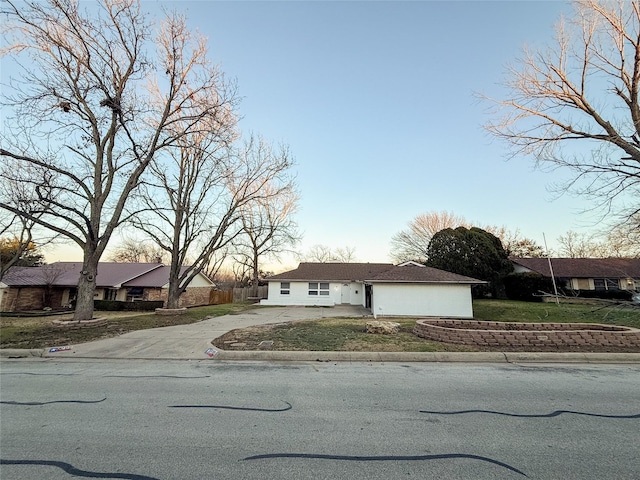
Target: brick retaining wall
x,y
514,334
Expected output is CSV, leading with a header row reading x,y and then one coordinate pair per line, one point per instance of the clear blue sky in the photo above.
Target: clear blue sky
x,y
376,101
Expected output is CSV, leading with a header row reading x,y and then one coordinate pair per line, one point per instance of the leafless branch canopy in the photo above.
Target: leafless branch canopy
x,y
102,91
584,88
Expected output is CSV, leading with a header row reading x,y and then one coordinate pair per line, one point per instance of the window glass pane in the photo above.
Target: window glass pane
x,y
285,285
324,292
313,292
324,286
313,286
612,283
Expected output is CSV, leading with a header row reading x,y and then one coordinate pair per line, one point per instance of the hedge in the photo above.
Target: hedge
x,y
604,294
114,305
527,286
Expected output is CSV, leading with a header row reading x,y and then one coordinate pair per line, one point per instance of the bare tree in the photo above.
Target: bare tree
x,y
50,274
514,243
98,97
575,105
621,241
624,241
413,242
15,241
325,254
268,228
131,250
193,201
345,254
22,240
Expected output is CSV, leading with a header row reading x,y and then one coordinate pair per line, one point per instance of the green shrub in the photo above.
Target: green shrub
x,y
604,294
114,305
527,286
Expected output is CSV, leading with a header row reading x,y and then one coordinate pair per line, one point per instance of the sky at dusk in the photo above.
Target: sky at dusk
x,y
376,102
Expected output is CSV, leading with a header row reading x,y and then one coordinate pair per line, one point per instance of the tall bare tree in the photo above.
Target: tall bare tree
x,y
413,242
618,242
268,228
131,250
575,105
193,202
98,97
325,254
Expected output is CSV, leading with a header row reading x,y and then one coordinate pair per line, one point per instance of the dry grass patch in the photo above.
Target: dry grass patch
x,y
334,334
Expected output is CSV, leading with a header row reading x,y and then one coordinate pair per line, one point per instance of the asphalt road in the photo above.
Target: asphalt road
x,y
144,420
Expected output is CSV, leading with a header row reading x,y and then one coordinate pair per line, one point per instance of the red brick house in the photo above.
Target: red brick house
x,y
586,273
54,285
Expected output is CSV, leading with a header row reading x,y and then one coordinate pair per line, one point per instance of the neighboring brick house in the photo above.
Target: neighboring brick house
x,y
54,285
586,273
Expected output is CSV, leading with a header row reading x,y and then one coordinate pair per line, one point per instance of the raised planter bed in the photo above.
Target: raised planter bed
x,y
171,311
515,334
94,322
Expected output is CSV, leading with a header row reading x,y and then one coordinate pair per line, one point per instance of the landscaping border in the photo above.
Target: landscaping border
x,y
515,334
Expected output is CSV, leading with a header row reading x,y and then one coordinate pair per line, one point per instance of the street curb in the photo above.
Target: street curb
x,y
307,356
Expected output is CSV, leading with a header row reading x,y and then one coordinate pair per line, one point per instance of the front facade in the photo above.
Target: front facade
x,y
586,273
54,285
387,290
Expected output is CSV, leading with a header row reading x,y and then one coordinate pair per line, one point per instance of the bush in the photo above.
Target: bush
x,y
604,294
527,286
114,305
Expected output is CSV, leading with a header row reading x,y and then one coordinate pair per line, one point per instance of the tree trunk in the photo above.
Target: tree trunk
x,y
254,286
86,291
173,299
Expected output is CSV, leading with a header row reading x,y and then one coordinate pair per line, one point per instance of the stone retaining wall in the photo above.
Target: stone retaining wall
x,y
481,333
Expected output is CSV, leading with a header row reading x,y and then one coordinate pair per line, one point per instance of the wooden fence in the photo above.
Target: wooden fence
x,y
218,297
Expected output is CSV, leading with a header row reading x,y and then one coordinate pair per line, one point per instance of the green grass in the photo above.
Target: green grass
x,y
596,312
342,334
18,332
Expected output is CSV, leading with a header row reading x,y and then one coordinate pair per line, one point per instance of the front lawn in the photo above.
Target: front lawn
x,y
606,312
38,332
348,334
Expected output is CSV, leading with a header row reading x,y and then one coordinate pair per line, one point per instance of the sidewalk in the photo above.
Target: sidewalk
x,y
190,342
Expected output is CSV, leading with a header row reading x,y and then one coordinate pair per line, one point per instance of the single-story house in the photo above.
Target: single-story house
x,y
586,273
408,289
54,285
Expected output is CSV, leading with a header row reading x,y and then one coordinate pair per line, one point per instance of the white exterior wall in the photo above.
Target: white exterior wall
x,y
299,294
432,300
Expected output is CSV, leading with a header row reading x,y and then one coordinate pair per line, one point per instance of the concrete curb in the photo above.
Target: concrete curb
x,y
306,356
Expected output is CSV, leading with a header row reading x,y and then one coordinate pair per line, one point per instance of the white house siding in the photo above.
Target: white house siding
x,y
299,294
446,300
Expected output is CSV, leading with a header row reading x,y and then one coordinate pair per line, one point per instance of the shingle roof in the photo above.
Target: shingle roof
x,y
339,272
158,278
66,274
414,274
373,272
583,267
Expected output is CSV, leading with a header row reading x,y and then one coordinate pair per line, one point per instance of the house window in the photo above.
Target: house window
x,y
285,288
612,283
606,283
316,288
110,294
135,294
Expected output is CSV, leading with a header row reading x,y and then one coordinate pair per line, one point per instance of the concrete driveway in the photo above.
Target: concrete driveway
x,y
191,341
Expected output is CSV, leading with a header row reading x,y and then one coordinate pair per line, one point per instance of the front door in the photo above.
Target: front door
x,y
346,293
